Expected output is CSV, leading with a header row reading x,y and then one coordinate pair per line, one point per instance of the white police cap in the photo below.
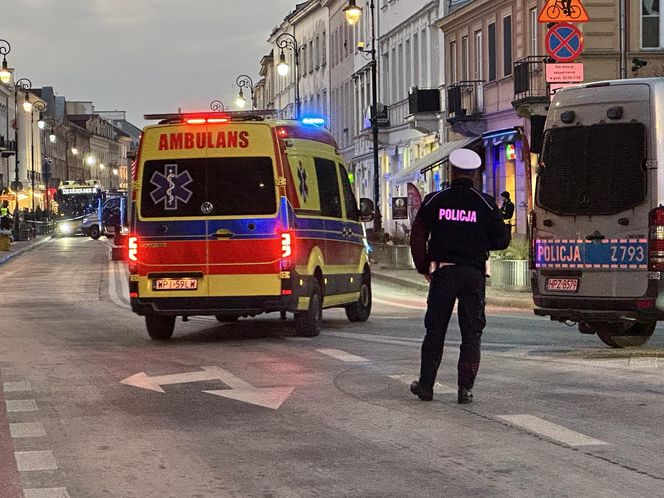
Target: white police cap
x,y
465,159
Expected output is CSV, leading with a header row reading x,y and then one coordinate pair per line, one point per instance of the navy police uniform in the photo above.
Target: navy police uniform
x,y
450,240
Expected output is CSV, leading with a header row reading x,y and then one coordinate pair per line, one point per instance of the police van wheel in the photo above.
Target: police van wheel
x,y
94,232
160,328
631,337
226,318
308,323
360,310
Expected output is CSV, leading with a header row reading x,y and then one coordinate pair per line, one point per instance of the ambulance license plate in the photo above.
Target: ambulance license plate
x,y
163,284
562,284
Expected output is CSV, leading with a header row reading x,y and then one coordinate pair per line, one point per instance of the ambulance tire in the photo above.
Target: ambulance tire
x,y
94,232
632,337
160,328
361,310
308,323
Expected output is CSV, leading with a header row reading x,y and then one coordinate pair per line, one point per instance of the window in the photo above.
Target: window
x,y
352,212
328,188
324,49
492,51
464,59
534,41
507,46
453,63
416,59
652,29
234,186
479,51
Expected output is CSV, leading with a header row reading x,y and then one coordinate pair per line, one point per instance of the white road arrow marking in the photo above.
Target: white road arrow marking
x,y
269,397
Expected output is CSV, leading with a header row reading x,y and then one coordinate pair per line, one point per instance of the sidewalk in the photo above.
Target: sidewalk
x,y
494,297
18,248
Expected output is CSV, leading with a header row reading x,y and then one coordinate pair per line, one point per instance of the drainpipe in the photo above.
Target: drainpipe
x,y
623,39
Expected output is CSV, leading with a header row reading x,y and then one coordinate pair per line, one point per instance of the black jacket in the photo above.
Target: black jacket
x,y
457,225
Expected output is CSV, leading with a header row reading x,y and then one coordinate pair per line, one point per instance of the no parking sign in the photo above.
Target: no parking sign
x,y
564,42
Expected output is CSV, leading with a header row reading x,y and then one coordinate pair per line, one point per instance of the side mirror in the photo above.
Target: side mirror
x,y
366,210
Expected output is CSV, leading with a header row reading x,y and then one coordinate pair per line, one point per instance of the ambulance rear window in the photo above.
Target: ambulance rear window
x,y
230,186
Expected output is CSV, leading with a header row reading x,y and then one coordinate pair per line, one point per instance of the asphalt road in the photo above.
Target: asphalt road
x,y
93,408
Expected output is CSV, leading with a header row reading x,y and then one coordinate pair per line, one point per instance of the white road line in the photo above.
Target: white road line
x,y
35,460
15,387
28,429
340,355
550,430
21,405
46,493
438,388
112,286
398,305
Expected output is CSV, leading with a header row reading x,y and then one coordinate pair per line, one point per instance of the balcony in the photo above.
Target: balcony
x,y
465,101
530,89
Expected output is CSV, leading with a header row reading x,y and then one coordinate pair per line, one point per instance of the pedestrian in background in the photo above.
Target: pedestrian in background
x,y
507,206
451,237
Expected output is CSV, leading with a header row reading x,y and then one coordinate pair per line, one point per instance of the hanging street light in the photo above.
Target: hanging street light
x,y
5,73
286,40
353,13
283,68
244,81
219,106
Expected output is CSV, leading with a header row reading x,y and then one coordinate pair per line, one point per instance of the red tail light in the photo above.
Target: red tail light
x,y
287,250
132,248
532,222
656,240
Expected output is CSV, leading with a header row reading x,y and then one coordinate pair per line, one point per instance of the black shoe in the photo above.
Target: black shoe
x,y
465,396
424,393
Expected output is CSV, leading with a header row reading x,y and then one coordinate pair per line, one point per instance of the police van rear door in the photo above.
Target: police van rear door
x,y
593,195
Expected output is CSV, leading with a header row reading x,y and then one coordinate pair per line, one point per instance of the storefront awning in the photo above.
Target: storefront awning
x,y
498,137
431,160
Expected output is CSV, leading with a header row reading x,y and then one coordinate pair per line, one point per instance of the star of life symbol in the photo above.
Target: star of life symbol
x,y
171,187
302,176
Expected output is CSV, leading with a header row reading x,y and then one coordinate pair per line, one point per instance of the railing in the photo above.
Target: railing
x,y
398,112
465,100
529,80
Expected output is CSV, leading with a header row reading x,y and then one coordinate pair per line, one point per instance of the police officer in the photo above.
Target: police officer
x,y
451,237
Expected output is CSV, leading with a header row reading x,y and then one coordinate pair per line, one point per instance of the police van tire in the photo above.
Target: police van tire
x,y
226,318
160,328
308,323
632,337
360,310
94,232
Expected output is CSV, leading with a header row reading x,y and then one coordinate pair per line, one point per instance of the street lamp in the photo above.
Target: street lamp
x,y
284,41
38,106
244,81
23,84
353,13
5,73
219,106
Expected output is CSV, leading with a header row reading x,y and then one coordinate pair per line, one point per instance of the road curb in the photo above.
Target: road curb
x,y
524,303
11,255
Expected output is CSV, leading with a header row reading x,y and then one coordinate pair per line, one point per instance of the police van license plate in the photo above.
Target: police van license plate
x,y
174,284
562,284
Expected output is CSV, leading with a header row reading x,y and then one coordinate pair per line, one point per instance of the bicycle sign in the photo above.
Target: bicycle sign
x,y
563,11
564,42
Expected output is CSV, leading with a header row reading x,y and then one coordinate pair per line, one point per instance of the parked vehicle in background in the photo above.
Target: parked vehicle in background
x,y
113,215
597,252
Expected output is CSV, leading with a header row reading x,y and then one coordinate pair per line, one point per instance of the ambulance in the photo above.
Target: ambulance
x,y
598,225
237,214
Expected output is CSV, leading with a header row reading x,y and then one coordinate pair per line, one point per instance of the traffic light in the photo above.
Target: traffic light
x,y
46,169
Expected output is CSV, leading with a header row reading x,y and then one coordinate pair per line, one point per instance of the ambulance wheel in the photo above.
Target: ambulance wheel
x,y
360,310
631,337
226,318
94,232
160,328
308,323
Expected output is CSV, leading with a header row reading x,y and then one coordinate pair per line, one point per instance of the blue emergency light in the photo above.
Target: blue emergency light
x,y
313,121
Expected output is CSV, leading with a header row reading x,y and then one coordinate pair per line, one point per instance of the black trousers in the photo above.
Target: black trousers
x,y
449,283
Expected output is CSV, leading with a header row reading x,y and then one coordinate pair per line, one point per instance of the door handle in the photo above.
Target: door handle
x,y
222,234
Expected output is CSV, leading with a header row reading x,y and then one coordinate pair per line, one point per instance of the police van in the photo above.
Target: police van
x,y
237,214
597,241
